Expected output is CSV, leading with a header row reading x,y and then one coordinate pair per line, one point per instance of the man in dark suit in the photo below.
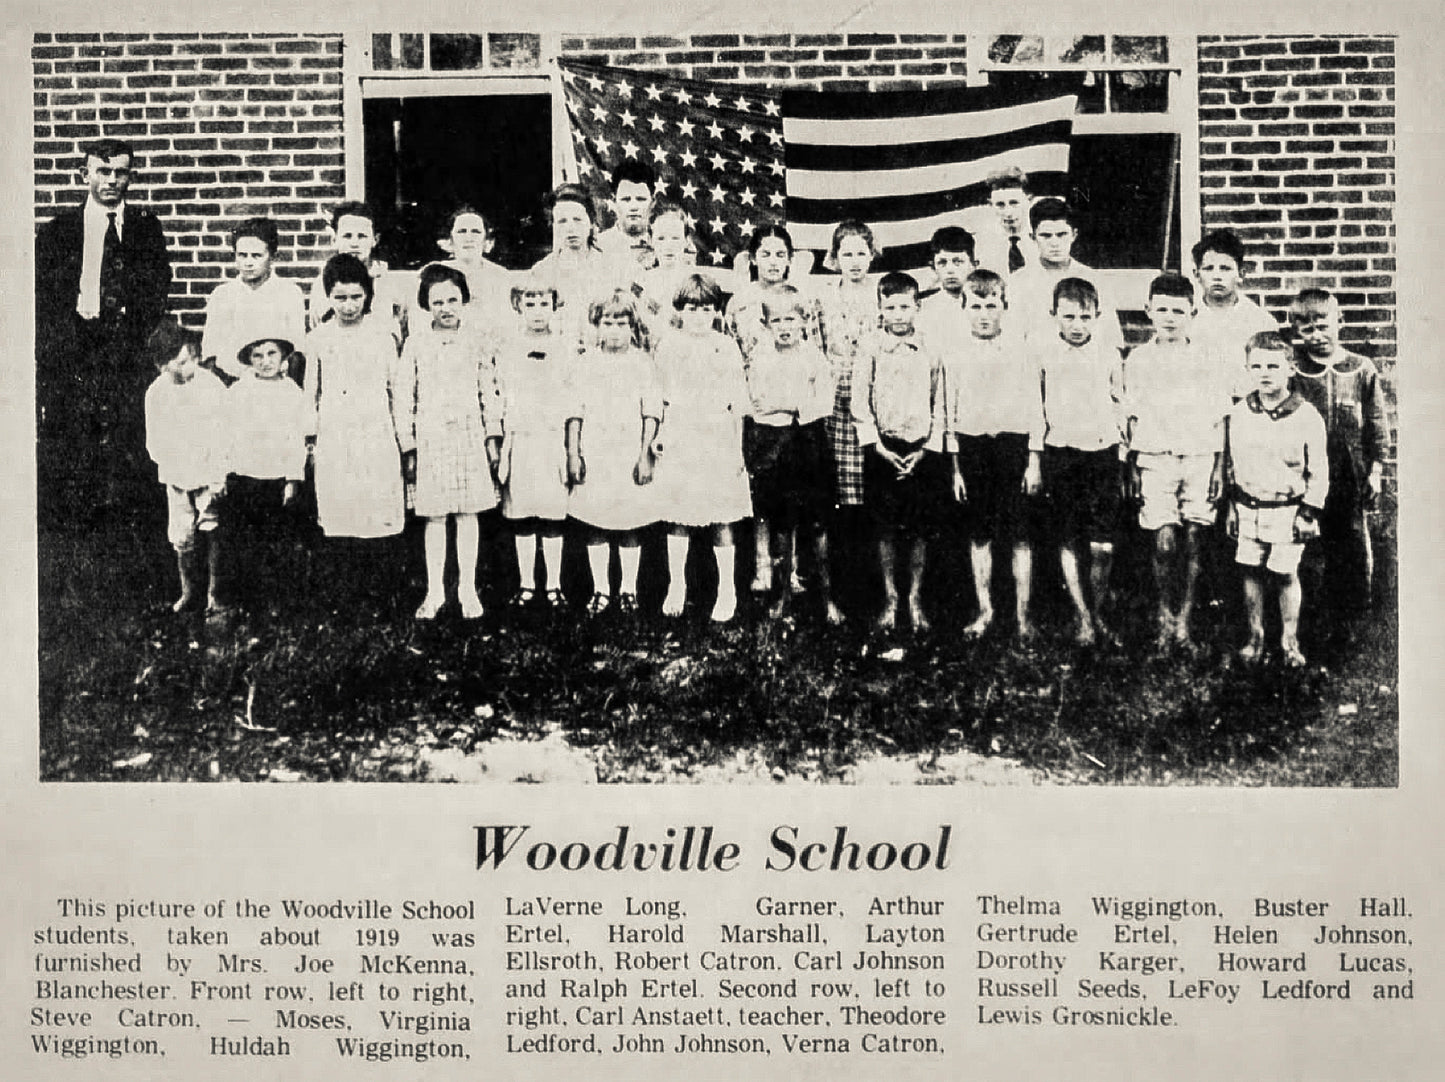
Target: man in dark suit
x,y
102,275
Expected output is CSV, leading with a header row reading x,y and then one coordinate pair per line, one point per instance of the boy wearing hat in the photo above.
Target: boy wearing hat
x,y
267,419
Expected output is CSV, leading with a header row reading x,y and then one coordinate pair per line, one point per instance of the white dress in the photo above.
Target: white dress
x,y
360,394
613,393
534,384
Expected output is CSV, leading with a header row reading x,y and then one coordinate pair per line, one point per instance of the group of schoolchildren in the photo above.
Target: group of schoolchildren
x,y
615,386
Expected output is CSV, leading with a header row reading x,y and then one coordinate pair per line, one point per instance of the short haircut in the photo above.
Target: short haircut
x,y
347,269
434,274
698,289
1172,285
849,227
168,339
285,345
952,238
896,284
1079,290
1269,340
661,208
786,298
352,209
1051,209
635,172
620,302
532,286
986,283
573,193
106,149
1009,177
262,229
1311,304
765,233
1222,241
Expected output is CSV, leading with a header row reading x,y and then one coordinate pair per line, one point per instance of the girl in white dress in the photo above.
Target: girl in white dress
x,y
534,386
452,466
610,446
701,479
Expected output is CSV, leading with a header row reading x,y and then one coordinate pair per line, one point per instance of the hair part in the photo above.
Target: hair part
x,y
433,275
1170,284
986,283
106,149
262,229
1009,177
347,269
352,209
1078,291
1267,340
1223,241
952,238
699,289
620,302
635,172
849,227
896,284
1312,303
532,286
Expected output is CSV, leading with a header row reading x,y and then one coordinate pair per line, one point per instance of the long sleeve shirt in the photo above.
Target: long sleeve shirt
x,y
1225,332
1349,397
1175,400
1031,302
784,385
1082,391
268,420
899,392
186,430
237,315
1278,455
993,387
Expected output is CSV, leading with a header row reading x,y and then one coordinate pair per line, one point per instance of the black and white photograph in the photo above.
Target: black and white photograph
x,y
720,408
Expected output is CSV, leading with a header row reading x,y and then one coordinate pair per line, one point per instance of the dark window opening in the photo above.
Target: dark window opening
x,y
426,156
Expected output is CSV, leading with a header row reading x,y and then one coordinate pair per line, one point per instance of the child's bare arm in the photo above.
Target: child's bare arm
x,y
646,460
960,490
576,468
1034,474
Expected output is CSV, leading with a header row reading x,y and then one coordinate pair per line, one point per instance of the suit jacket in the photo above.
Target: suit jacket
x,y
143,288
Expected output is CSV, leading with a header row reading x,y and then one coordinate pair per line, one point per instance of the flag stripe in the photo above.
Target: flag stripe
x,y
890,235
894,104
922,180
839,157
893,129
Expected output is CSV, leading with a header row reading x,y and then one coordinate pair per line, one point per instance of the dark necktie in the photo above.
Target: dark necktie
x,y
111,269
1015,255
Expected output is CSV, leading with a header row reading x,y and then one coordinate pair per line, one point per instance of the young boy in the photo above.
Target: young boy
x,y
1276,469
1226,319
899,408
254,298
353,232
1345,389
790,385
940,311
1081,382
996,432
633,186
1176,401
185,436
1032,289
268,418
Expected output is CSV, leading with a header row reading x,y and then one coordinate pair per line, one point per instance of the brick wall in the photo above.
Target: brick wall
x,y
225,126
819,61
1297,155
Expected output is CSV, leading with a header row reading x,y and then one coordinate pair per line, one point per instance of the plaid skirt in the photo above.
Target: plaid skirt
x,y
452,474
843,442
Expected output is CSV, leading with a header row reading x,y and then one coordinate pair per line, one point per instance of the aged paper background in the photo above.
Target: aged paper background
x,y
198,842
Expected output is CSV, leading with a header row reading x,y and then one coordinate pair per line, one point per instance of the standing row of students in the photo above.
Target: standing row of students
x,y
622,388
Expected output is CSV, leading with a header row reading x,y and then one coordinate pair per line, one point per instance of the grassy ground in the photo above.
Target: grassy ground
x,y
333,686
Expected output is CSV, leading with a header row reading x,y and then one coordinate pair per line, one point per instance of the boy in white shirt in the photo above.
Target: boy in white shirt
x,y
256,297
1226,319
1177,396
185,437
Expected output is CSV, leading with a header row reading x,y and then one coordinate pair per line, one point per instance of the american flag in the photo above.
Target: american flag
x,y
908,162
717,149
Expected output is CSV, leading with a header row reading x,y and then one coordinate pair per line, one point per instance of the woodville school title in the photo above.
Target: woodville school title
x,y
700,849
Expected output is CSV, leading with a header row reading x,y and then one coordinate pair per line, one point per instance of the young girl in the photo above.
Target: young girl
x,y
785,446
701,479
610,446
533,372
849,314
672,248
452,466
576,267
360,395
468,239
